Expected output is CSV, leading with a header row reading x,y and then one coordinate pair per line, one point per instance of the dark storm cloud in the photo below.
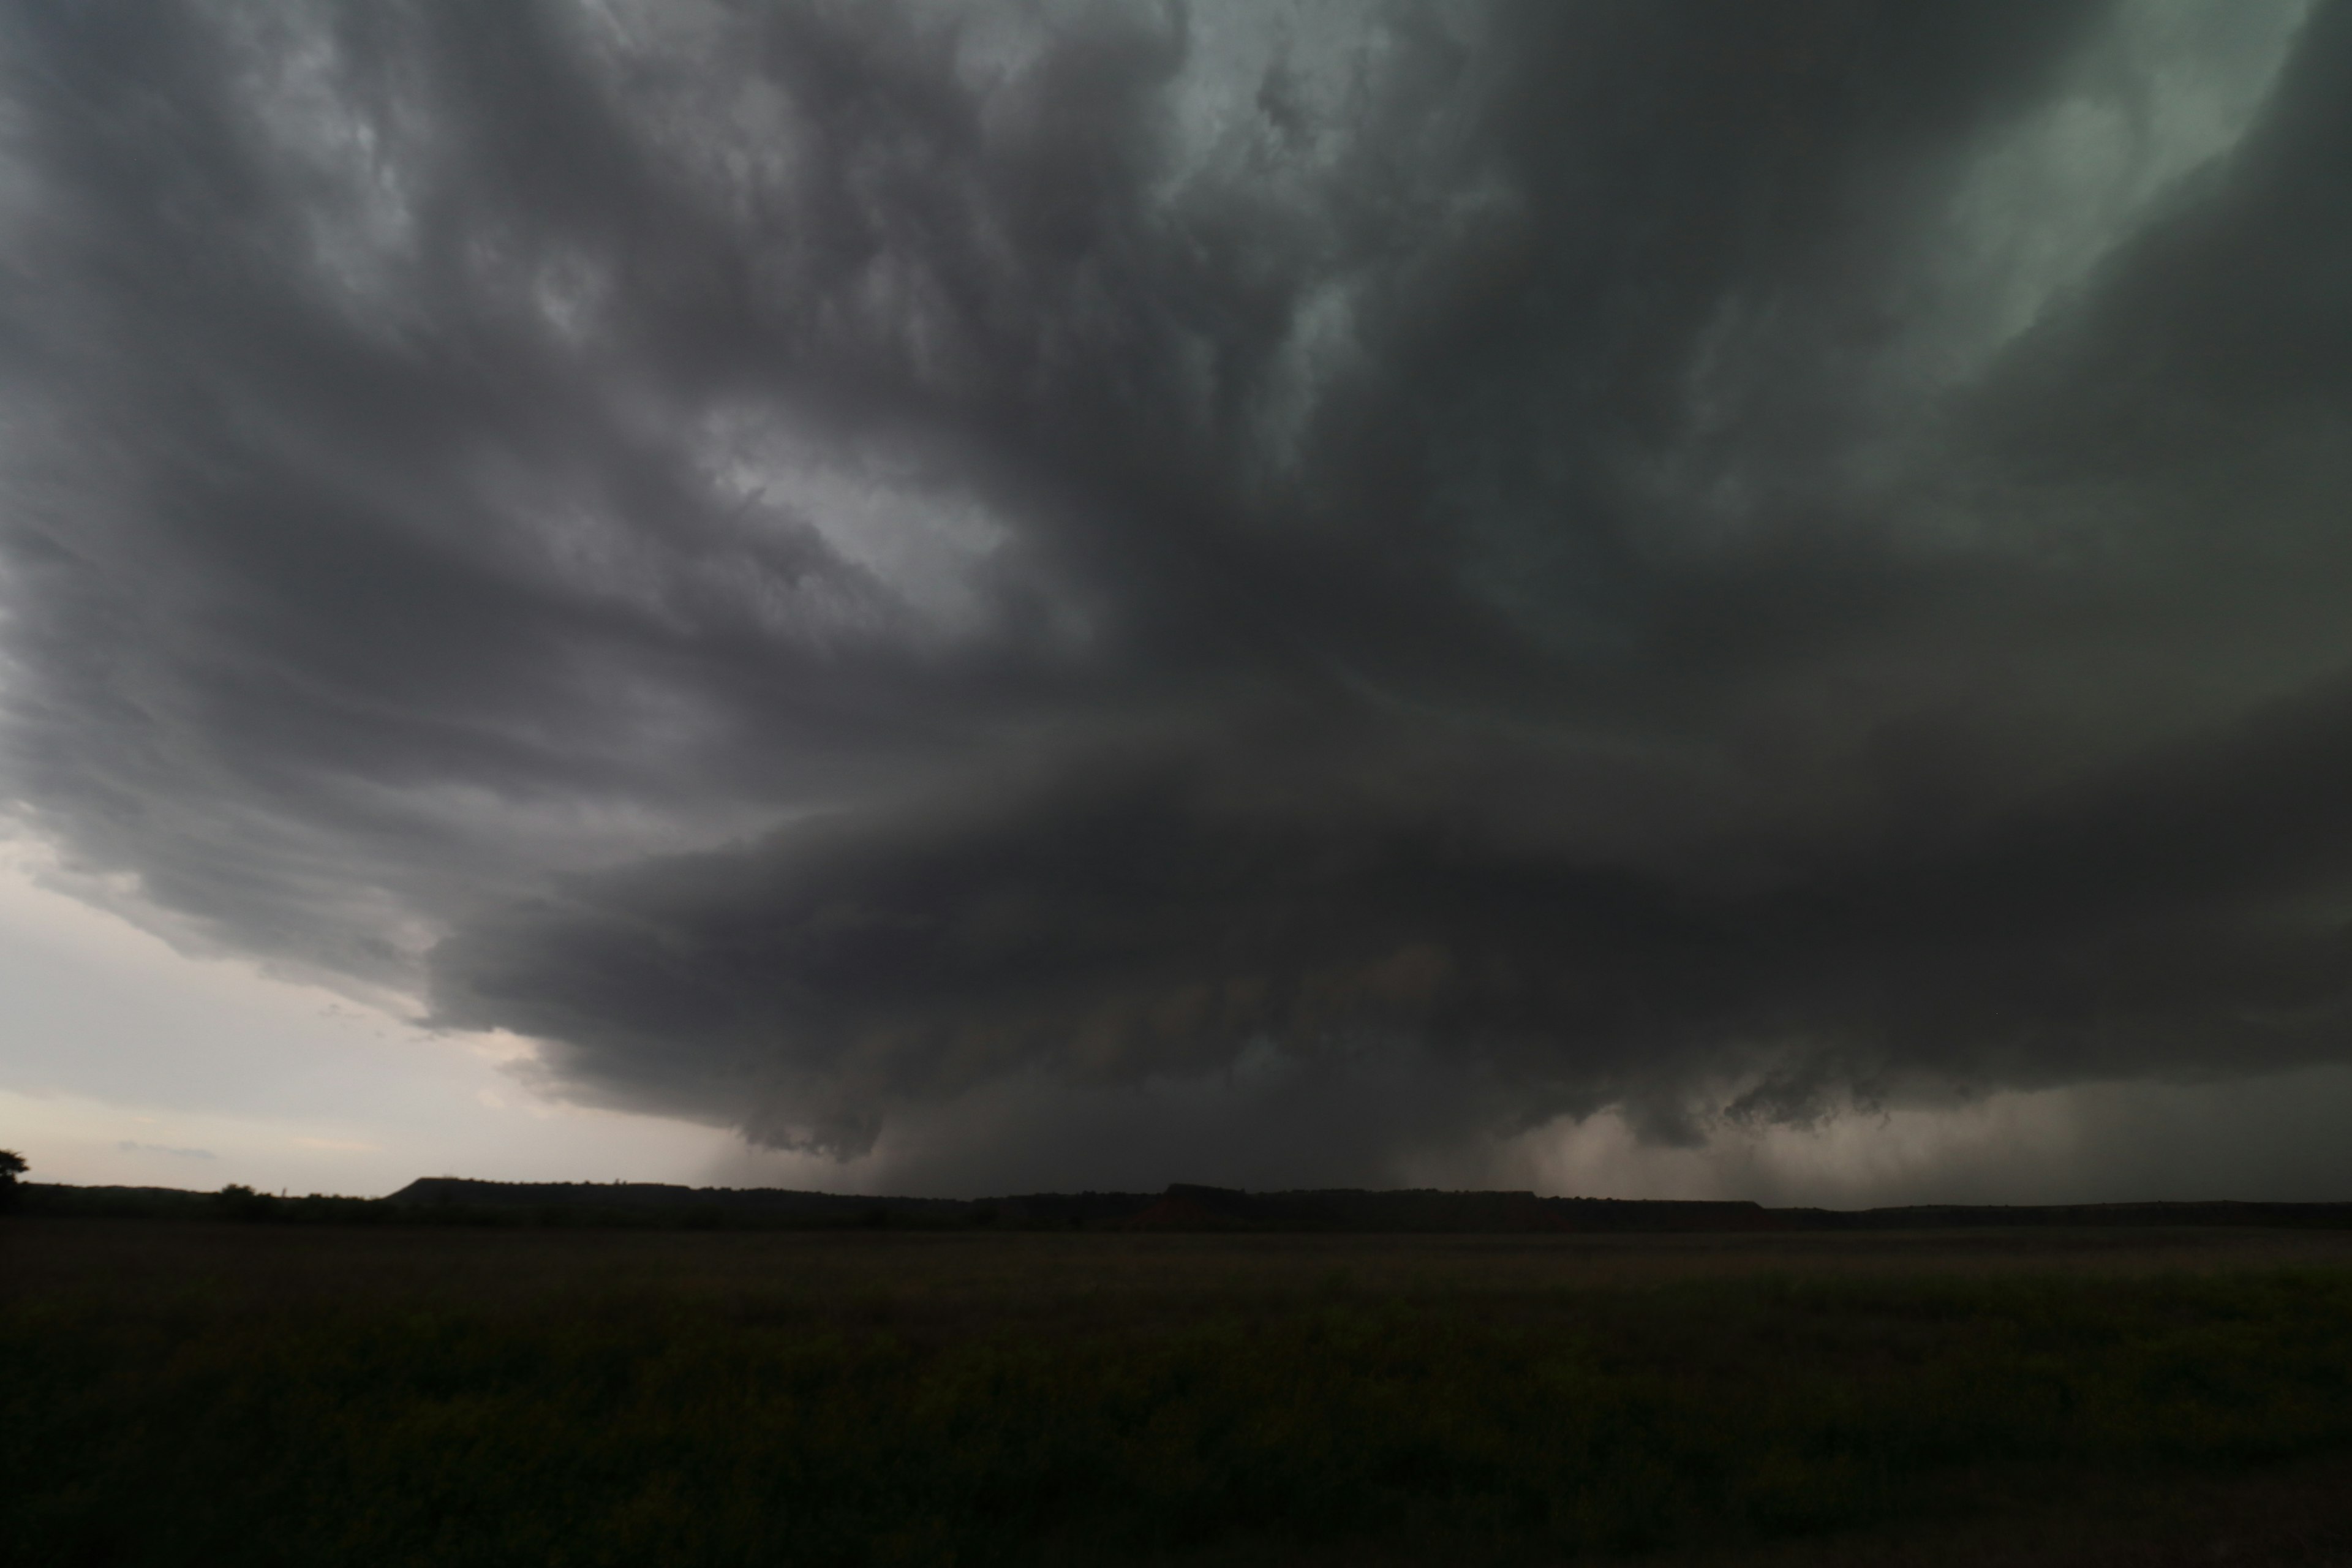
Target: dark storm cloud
x,y
1457,563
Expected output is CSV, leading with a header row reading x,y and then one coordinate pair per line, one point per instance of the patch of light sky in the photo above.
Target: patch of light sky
x,y
125,1062
2276,1138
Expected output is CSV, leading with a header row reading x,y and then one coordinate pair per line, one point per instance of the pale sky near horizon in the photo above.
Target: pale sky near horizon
x,y
1702,600
128,1064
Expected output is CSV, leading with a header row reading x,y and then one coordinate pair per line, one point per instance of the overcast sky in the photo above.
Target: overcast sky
x,y
1691,598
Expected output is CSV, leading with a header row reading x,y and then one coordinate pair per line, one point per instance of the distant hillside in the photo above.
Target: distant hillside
x,y
767,1205
1187,1206
452,1200
1181,1206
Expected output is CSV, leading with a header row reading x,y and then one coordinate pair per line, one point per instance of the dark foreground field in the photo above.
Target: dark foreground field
x,y
175,1392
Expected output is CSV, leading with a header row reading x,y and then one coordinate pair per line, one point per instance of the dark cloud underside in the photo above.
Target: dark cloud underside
x,y
1380,575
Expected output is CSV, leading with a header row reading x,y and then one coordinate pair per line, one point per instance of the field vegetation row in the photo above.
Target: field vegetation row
x,y
277,1397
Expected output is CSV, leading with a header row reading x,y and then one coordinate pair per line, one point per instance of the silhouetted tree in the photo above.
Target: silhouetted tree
x,y
237,1200
12,1166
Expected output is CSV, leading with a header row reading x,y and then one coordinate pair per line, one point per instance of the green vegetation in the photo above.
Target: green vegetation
x,y
265,1395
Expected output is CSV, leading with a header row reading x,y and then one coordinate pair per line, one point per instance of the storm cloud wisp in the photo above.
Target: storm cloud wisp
x,y
1380,575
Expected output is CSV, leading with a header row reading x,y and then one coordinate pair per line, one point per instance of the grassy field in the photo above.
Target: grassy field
x,y
267,1395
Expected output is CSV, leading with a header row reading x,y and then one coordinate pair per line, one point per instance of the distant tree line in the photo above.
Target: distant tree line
x,y
450,1201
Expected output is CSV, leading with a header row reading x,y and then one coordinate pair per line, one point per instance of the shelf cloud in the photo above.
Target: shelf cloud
x,y
1341,578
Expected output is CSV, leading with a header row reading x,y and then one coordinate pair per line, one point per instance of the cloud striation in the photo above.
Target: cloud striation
x,y
1326,580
